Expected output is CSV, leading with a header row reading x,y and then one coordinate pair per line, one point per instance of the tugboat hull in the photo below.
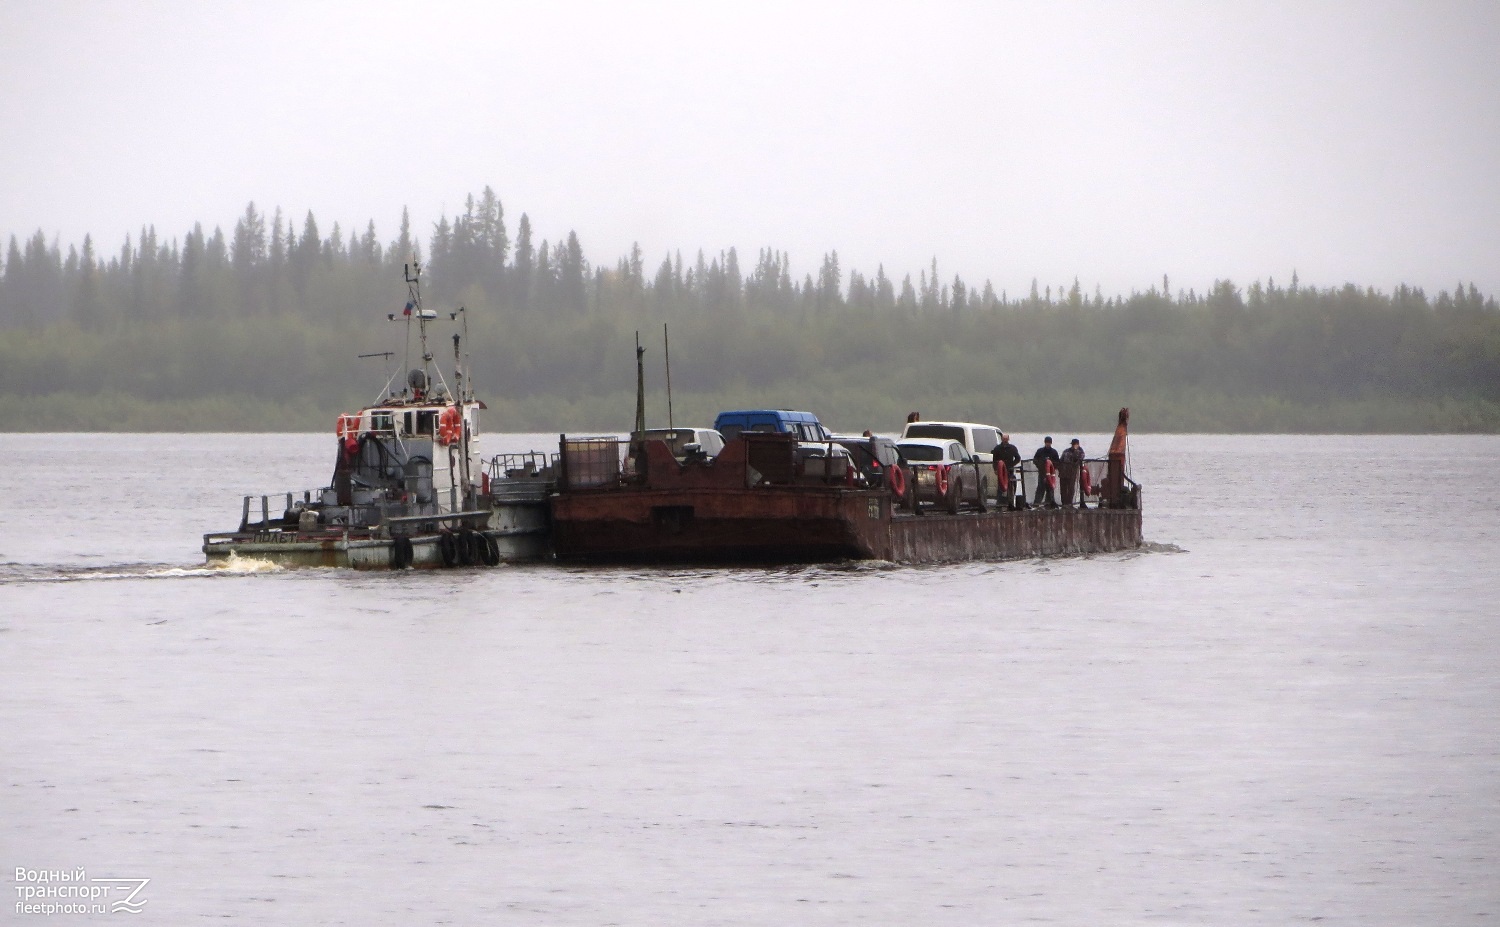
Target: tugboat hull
x,y
515,531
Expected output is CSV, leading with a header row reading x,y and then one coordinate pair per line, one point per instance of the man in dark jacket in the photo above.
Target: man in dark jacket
x,y
1067,471
1046,460
1006,457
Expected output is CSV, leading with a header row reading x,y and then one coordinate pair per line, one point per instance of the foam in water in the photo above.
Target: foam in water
x,y
238,564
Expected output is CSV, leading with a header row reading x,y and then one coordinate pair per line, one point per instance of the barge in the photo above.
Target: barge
x,y
761,501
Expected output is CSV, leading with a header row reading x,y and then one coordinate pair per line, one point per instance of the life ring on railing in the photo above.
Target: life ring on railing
x,y
348,426
897,479
450,425
942,482
1085,480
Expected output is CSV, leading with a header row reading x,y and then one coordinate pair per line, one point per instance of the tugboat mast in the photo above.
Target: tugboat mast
x,y
419,378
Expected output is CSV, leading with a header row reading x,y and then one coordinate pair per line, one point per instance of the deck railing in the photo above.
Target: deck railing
x,y
264,506
1098,475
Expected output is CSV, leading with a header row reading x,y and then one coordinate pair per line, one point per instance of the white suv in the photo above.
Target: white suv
x,y
978,440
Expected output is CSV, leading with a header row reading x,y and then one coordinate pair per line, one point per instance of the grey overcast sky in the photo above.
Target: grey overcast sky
x,y
1111,142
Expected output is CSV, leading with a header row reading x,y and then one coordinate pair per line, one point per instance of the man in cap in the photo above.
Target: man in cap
x,y
1068,466
1046,459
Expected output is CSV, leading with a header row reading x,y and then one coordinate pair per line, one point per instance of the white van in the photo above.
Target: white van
x,y
979,440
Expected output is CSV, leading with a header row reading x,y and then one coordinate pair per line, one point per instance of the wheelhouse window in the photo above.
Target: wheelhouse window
x,y
426,423
382,420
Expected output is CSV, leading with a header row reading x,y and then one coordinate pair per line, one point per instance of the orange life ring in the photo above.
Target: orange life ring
x,y
897,478
450,425
1085,479
942,482
348,426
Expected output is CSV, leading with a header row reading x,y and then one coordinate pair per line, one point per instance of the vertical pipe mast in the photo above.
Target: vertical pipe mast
x,y
641,386
667,350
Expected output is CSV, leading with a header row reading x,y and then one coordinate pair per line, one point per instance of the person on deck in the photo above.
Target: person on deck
x,y
1006,458
1068,466
1046,460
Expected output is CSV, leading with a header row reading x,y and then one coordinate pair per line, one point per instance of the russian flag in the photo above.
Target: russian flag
x,y
409,307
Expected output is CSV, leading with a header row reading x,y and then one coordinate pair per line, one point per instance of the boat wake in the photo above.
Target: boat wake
x,y
34,573
1152,547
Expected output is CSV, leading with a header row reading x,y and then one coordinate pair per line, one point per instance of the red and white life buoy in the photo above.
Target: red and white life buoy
x,y
450,425
347,430
897,478
1086,480
942,482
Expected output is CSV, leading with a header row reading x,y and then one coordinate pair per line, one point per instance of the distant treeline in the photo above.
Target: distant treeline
x,y
259,330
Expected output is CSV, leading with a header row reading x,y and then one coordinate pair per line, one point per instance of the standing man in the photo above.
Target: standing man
x,y
1067,471
1046,460
1006,457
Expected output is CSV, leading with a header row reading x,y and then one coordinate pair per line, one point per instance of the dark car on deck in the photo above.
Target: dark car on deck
x,y
873,457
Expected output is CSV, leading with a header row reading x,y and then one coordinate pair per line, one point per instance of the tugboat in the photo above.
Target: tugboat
x,y
409,486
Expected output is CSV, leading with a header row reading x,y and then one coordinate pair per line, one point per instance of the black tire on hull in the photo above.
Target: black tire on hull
x,y
491,550
402,554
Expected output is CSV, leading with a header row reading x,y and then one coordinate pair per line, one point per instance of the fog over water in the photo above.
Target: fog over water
x,y
1282,711
1349,141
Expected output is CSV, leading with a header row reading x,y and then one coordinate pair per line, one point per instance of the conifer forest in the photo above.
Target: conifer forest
x,y
259,328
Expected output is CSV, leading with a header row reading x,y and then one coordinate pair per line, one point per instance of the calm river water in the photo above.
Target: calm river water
x,y
1286,710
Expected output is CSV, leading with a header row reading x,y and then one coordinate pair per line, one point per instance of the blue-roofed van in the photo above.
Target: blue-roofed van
x,y
804,425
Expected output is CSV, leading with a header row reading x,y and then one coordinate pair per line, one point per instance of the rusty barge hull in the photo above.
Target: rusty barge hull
x,y
800,525
1012,535
717,525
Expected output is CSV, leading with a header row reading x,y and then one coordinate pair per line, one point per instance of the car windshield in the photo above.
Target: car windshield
x,y
948,432
921,452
